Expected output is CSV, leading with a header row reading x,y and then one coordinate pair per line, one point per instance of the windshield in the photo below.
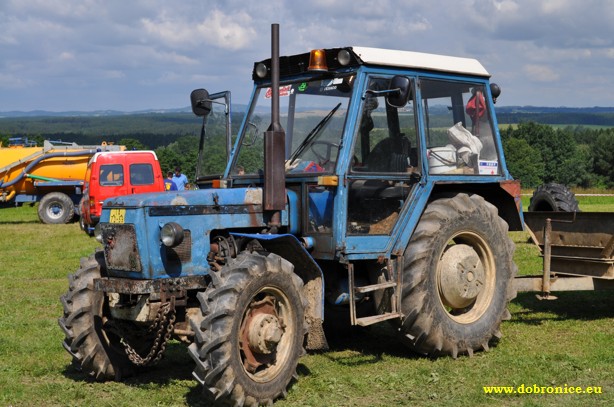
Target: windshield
x,y
312,114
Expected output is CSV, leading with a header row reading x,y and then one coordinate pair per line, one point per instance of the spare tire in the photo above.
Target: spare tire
x,y
553,198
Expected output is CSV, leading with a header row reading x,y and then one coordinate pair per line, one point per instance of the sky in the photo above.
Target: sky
x,y
130,55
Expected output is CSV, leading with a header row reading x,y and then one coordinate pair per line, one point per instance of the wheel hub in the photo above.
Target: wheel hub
x,y
261,332
264,333
461,276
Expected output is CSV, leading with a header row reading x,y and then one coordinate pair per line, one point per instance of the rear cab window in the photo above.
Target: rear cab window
x,y
141,174
111,175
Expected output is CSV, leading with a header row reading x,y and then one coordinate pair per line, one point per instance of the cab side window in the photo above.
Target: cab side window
x,y
459,129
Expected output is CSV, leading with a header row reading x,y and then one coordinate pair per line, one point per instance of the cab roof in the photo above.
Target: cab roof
x,y
420,60
356,56
113,153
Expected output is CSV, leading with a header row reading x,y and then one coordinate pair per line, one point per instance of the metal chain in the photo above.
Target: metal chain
x,y
164,323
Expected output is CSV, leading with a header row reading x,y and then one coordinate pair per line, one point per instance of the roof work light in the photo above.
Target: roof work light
x,y
317,61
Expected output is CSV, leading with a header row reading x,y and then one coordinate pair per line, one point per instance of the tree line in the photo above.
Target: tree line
x,y
575,156
536,153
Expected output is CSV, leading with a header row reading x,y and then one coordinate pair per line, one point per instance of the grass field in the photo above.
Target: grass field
x,y
562,344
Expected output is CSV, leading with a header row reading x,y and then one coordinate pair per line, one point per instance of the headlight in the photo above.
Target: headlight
x,y
98,233
171,234
262,70
344,57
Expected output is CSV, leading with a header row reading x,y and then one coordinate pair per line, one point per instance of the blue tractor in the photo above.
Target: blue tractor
x,y
366,181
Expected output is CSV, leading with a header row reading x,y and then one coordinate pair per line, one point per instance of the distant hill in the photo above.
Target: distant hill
x,y
514,110
95,113
156,127
572,116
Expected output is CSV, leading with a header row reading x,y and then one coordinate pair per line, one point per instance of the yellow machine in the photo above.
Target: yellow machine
x,y
52,175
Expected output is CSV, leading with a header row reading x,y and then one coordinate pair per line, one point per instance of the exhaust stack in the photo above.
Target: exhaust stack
x,y
274,140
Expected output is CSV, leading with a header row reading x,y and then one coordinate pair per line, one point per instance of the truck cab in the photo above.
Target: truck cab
x,y
111,174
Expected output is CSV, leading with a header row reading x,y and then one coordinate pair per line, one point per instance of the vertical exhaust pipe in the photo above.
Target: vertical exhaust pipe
x,y
274,142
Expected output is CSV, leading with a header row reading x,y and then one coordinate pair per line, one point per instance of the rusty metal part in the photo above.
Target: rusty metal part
x,y
171,290
127,286
221,249
513,188
261,331
163,325
120,247
264,333
580,243
183,332
191,210
545,295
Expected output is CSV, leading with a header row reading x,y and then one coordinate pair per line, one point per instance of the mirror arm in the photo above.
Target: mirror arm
x,y
379,92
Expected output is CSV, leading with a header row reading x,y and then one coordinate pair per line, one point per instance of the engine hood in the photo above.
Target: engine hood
x,y
203,197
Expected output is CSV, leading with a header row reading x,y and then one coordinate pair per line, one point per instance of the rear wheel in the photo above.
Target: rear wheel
x,y
56,208
250,333
458,277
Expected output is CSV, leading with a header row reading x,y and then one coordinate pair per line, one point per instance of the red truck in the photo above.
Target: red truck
x,y
111,174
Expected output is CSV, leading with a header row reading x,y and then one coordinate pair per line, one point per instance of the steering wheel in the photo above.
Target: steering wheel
x,y
326,156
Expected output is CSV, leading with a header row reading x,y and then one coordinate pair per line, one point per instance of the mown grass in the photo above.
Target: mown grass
x,y
568,342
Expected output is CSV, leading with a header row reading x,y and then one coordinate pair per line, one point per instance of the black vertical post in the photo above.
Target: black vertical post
x,y
274,140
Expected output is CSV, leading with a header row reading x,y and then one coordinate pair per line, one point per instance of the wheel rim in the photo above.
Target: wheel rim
x,y
466,277
267,329
55,211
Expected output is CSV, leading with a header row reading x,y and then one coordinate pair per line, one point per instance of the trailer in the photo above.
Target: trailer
x,y
577,248
52,175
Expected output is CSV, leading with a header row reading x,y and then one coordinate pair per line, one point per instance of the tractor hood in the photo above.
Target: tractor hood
x,y
207,197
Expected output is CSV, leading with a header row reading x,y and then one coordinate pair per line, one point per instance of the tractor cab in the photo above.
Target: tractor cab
x,y
369,133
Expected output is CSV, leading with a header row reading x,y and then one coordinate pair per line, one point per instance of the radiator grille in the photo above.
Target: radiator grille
x,y
120,248
181,253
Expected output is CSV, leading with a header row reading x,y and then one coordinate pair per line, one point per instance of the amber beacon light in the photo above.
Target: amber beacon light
x,y
317,60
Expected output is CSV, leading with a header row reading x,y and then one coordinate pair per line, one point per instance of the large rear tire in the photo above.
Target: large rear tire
x,y
56,208
250,333
458,277
553,198
95,350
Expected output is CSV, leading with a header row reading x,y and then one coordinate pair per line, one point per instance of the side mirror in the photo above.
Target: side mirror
x,y
401,87
201,104
495,91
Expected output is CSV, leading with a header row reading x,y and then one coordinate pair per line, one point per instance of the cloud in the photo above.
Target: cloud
x,y
126,49
540,73
217,29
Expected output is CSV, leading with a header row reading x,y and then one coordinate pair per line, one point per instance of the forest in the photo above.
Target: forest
x,y
575,148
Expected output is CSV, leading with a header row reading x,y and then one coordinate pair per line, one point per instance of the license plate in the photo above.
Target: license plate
x,y
117,216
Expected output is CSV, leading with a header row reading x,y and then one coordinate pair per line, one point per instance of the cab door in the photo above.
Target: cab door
x,y
385,171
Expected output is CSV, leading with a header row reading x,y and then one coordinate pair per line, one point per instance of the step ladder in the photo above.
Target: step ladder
x,y
393,279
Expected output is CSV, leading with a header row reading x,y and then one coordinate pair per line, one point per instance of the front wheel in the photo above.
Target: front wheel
x,y
95,350
250,333
458,277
